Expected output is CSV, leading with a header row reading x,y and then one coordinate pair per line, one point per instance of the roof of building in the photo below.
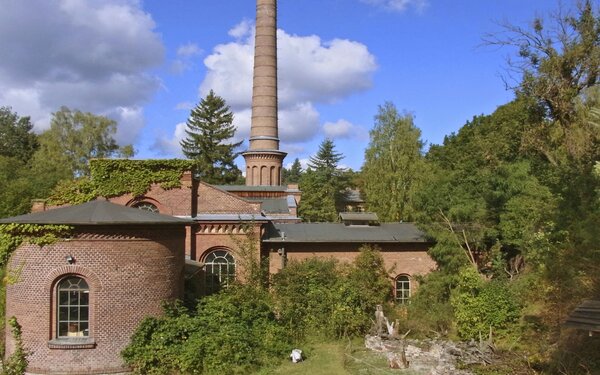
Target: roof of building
x,y
251,188
231,217
275,205
585,317
359,216
338,232
98,212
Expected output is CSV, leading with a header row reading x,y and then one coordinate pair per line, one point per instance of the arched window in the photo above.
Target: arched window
x,y
402,290
219,268
73,308
146,206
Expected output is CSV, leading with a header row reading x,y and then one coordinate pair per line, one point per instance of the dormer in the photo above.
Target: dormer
x,y
369,219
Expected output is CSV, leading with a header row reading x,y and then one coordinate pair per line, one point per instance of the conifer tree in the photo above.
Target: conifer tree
x,y
323,185
209,127
293,174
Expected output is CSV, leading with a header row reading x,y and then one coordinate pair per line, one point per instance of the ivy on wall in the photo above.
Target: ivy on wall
x,y
114,177
13,235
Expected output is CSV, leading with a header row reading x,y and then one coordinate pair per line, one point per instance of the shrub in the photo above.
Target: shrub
x,y
319,296
234,331
480,305
430,308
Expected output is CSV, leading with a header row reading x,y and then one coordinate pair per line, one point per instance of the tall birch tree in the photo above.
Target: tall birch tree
x,y
394,165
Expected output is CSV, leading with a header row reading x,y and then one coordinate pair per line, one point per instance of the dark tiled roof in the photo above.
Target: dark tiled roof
x,y
275,206
98,212
251,188
585,317
358,216
337,232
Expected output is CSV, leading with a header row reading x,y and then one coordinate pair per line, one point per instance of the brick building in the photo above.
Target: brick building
x,y
80,299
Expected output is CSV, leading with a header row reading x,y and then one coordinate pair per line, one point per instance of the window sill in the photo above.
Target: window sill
x,y
72,343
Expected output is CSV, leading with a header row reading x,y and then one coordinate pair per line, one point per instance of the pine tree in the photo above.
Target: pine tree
x,y
323,185
293,174
209,126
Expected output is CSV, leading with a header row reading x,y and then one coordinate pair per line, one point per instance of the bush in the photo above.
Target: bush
x,y
430,309
319,296
234,331
480,305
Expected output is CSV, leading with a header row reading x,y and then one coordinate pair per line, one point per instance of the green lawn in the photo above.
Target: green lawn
x,y
335,358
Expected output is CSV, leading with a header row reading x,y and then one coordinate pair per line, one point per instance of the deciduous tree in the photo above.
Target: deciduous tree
x,y
394,167
16,137
73,139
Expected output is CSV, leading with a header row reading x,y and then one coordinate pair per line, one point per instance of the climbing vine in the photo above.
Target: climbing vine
x,y
13,235
113,177
17,363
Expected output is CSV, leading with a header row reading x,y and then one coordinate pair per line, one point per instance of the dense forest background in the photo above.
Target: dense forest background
x,y
512,200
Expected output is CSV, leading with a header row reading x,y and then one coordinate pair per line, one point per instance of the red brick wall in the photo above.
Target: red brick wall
x,y
230,236
213,200
130,272
406,258
176,202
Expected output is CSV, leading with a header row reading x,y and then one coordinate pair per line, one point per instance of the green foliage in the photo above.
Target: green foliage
x,y
304,292
16,190
292,175
232,332
16,137
18,185
114,177
323,185
17,363
74,138
209,127
394,168
369,279
480,305
560,60
13,235
430,309
321,297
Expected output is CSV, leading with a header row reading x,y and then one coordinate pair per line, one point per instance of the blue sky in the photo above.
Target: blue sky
x,y
146,63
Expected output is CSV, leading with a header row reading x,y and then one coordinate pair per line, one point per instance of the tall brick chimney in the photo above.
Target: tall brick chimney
x,y
263,158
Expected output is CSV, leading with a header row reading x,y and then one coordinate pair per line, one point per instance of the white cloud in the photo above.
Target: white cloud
x,y
298,123
184,106
398,5
185,54
165,146
343,129
86,55
242,29
318,71
189,49
310,71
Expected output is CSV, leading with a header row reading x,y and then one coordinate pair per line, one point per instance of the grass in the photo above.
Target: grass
x,y
336,358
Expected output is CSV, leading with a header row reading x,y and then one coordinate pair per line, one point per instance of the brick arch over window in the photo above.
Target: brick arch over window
x,y
75,270
94,286
402,288
219,268
146,203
